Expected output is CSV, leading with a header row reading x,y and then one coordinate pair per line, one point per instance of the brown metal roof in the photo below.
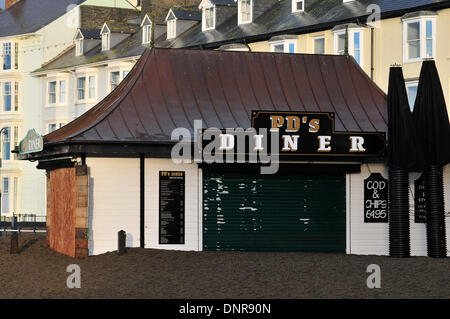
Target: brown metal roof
x,y
170,88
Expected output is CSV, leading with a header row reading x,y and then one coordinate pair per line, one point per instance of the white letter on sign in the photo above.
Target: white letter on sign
x,y
258,143
290,143
357,143
324,143
226,142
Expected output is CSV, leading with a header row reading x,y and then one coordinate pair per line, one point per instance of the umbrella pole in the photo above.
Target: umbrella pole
x,y
399,229
434,193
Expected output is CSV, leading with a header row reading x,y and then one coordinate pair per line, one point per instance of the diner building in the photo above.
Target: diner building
x,y
113,168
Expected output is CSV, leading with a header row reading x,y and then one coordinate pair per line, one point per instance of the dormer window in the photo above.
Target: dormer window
x,y
79,43
79,47
106,38
298,5
209,18
146,30
245,11
146,34
171,29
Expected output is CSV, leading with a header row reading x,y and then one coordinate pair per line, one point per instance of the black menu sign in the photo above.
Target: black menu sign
x,y
376,199
420,204
171,207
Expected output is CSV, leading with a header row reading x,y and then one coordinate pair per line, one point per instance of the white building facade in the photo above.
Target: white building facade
x,y
23,49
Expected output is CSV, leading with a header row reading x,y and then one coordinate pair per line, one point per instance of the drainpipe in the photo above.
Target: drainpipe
x,y
372,49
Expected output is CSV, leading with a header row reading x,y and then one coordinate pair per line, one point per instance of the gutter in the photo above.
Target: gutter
x,y
95,64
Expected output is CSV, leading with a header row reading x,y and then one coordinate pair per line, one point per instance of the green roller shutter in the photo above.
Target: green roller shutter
x,y
253,212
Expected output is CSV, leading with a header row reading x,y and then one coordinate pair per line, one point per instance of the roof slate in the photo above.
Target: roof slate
x,y
169,89
91,34
27,16
187,14
280,19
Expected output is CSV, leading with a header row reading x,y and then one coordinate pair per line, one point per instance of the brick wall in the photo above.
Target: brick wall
x,y
67,210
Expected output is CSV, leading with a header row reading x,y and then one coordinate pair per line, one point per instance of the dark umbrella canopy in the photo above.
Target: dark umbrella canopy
x,y
433,130
431,117
403,152
403,156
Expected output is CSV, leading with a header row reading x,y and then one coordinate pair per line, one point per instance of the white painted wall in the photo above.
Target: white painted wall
x,y
193,218
114,202
372,238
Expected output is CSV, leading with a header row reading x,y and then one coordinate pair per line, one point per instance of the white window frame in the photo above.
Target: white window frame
x,y
423,38
285,43
58,124
351,42
88,87
294,6
58,80
14,85
410,84
106,38
79,47
319,37
146,34
240,20
123,72
204,28
171,29
14,129
86,74
55,93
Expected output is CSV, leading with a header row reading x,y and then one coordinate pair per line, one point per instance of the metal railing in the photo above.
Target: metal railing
x,y
23,221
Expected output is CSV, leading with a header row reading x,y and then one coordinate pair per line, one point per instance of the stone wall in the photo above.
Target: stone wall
x,y
93,17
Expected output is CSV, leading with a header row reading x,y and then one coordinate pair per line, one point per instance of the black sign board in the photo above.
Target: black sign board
x,y
299,134
420,204
171,207
376,199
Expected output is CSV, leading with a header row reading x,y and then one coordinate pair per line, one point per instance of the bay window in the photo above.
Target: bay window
x,y
9,189
51,127
283,44
419,38
56,92
7,96
16,96
319,45
62,91
91,87
6,144
7,56
81,88
355,44
52,92
5,195
114,80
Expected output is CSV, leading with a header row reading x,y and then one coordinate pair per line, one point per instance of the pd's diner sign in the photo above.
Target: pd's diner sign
x,y
299,134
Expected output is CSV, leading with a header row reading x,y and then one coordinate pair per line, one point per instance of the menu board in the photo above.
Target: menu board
x,y
376,199
171,207
420,204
